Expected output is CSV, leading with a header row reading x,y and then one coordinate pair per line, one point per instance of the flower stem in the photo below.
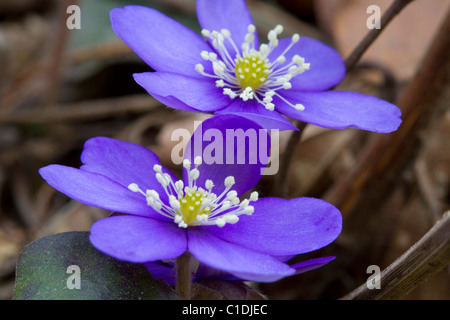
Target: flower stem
x,y
184,274
280,187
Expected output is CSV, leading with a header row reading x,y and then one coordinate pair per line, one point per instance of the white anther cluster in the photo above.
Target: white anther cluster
x,y
191,205
247,72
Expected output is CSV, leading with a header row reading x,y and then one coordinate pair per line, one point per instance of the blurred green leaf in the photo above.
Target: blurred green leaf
x,y
96,25
44,272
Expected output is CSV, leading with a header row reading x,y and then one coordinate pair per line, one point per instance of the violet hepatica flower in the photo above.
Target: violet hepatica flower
x,y
226,70
205,213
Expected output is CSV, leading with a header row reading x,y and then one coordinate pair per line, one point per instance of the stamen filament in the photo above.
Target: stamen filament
x,y
190,205
250,75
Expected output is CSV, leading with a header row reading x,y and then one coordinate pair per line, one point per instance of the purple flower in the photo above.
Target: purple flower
x,y
226,70
161,216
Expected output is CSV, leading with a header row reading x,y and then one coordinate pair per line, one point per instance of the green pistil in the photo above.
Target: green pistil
x,y
191,206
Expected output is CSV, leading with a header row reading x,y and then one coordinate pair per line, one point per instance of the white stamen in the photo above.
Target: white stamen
x,y
264,49
272,36
186,164
230,93
198,161
249,210
206,33
199,68
244,203
279,29
270,106
254,196
229,181
226,205
231,218
247,94
235,80
299,107
226,33
192,205
212,56
209,185
235,201
231,195
161,179
182,224
220,222
281,60
267,99
202,218
287,85
205,55
179,185
249,37
174,203
153,194
218,69
134,187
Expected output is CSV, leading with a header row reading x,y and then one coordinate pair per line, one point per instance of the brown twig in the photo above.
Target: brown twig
x,y
56,57
280,184
419,103
380,166
317,176
88,110
424,259
426,189
390,13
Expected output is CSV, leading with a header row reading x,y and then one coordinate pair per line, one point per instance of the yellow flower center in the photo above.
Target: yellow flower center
x,y
191,205
252,70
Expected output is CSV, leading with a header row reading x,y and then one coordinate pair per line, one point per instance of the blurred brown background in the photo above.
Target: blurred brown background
x,y
59,87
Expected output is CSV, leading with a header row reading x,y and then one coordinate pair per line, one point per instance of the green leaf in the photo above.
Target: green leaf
x,y
51,268
96,24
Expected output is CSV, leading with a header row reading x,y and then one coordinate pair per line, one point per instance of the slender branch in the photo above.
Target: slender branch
x,y
424,99
425,258
390,13
184,274
280,186
58,55
84,110
421,101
